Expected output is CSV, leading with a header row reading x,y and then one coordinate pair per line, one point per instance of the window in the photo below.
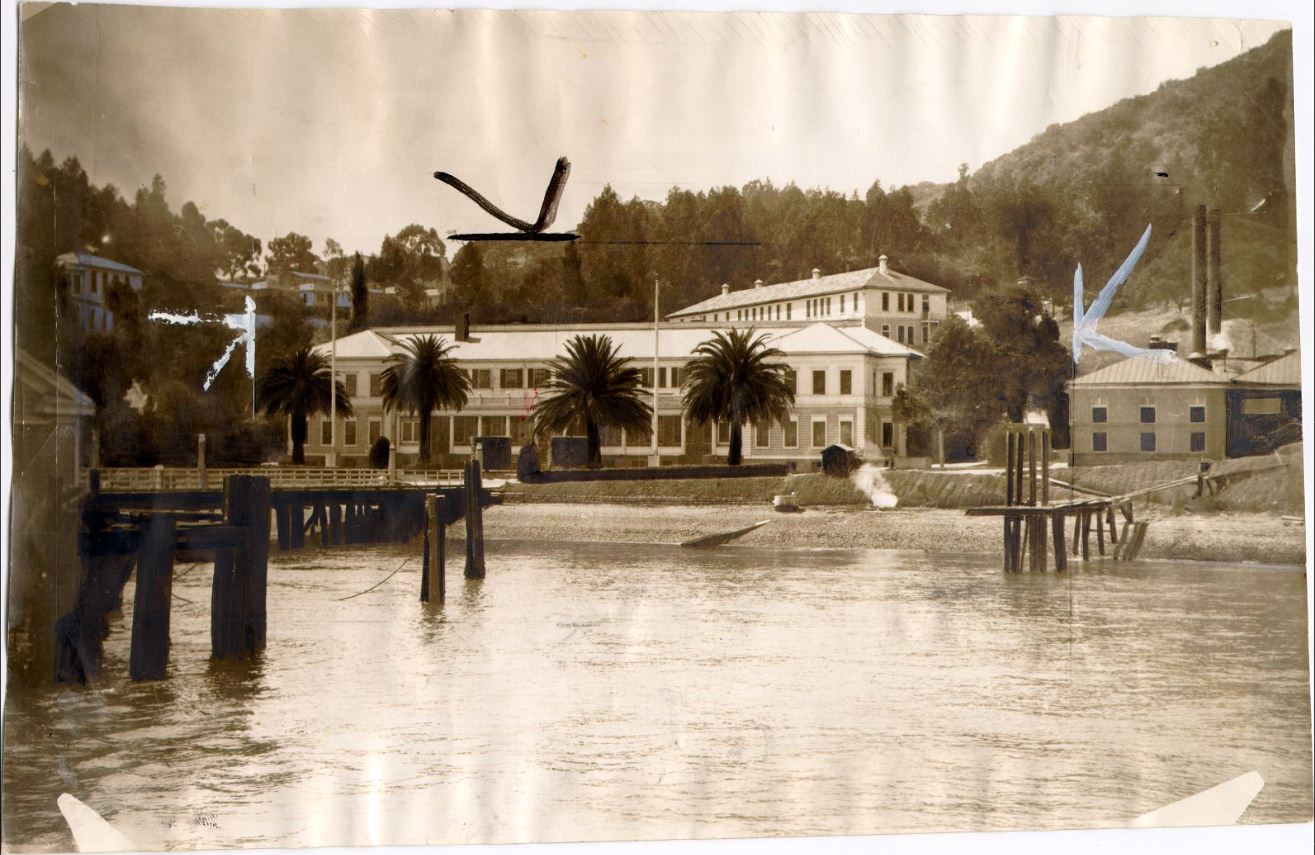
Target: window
x,y
762,435
900,333
669,431
819,433
675,378
609,436
376,430
926,333
885,301
1099,441
1148,415
885,328
842,304
1196,413
1198,441
511,378
463,428
790,433
908,300
847,433
723,433
926,304
349,381
639,437
539,377
846,382
410,430
787,310
326,432
828,305
349,433
1261,406
374,384
908,335
887,435
901,302
887,384
493,426
792,380
1100,415
662,377
481,378
1148,441
819,382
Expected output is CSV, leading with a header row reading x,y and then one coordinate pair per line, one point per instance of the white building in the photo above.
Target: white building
x,y
89,279
896,305
845,380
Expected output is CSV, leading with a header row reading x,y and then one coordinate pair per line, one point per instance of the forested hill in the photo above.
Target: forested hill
x,y
1083,191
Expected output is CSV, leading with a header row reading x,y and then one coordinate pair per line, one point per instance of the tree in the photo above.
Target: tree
x,y
360,297
595,385
421,379
468,277
290,252
732,379
297,386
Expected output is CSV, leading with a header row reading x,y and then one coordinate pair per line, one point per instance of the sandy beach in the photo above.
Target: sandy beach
x,y
1251,538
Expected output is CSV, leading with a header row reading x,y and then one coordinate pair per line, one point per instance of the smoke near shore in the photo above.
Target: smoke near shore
x,y
869,480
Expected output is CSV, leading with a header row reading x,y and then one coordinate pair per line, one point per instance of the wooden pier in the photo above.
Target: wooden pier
x,y
148,524
1036,527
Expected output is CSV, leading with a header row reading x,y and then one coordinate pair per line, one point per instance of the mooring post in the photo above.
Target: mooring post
x,y
1031,467
474,523
335,523
1009,466
433,585
1100,532
1057,532
149,657
237,599
281,523
297,521
1045,467
200,461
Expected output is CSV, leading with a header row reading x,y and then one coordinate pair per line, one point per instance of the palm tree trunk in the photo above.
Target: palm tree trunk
x,y
424,437
298,438
594,442
737,445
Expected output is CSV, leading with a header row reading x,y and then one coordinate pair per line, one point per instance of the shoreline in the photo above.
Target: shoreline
x,y
1251,538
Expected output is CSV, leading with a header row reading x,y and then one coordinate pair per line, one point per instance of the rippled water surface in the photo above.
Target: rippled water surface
x,y
606,692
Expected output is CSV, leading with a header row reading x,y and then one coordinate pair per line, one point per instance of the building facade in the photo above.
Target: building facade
x,y
896,305
88,280
845,379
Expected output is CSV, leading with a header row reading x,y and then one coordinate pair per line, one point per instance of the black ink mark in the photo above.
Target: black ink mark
x,y
547,213
538,236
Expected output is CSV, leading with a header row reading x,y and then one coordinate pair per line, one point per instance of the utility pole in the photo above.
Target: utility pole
x,y
655,457
332,456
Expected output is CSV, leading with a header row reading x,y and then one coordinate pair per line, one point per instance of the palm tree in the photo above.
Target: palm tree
x,y
297,386
421,379
594,385
730,379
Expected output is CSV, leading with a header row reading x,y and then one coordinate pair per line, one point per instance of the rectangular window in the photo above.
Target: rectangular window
x,y
723,433
1198,441
900,334
1148,415
762,435
1099,441
1196,413
787,310
481,378
887,384
1099,415
885,301
885,330
675,378
349,433
326,432
901,302
410,430
669,431
493,426
463,429
375,380
819,382
926,304
1148,441
662,377
819,433
842,303
1261,406
609,436
887,435
790,433
349,381
511,378
646,378
376,430
847,433
926,333
538,377
908,300
846,382
639,437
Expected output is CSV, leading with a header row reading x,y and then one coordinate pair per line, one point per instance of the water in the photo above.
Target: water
x,y
620,691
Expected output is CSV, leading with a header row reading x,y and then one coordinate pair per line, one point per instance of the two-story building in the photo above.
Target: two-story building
x,y
845,379
89,280
900,307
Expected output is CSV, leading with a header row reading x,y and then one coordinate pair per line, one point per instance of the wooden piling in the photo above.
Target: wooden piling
x,y
1100,532
1010,453
1045,467
1057,530
433,583
1031,467
474,523
238,592
297,522
1086,535
335,523
281,524
149,656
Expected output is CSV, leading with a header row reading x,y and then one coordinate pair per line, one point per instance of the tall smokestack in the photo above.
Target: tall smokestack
x,y
1214,304
463,329
1198,280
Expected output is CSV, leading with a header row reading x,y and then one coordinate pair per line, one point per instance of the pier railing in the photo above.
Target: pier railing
x,y
165,479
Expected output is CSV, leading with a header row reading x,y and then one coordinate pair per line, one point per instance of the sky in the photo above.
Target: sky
x,y
331,122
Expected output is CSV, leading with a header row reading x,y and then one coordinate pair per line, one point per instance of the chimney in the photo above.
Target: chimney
x,y
1214,304
463,329
725,288
1198,283
758,283
817,274
881,265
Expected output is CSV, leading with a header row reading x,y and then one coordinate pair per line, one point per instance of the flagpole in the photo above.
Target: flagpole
x,y
657,455
333,370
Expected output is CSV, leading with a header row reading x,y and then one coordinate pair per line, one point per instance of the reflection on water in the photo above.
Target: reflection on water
x,y
605,692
